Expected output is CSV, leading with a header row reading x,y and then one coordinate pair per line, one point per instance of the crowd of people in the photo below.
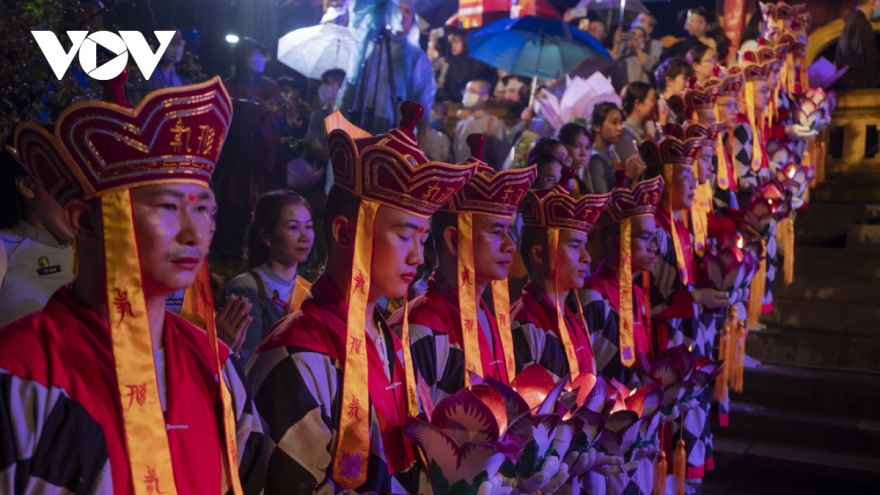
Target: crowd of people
x,y
129,367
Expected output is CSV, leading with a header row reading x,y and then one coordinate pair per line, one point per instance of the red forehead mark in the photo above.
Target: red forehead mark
x,y
192,197
421,230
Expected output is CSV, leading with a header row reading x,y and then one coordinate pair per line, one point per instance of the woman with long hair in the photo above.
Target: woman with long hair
x,y
576,139
279,238
607,130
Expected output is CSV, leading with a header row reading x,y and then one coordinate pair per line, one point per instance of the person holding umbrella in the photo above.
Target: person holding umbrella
x,y
697,22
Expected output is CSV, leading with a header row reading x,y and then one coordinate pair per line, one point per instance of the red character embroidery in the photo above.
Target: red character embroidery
x,y
123,305
152,482
356,345
354,409
502,319
360,281
137,393
469,326
466,277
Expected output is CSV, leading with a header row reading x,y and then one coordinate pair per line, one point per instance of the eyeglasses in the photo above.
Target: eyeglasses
x,y
548,181
651,241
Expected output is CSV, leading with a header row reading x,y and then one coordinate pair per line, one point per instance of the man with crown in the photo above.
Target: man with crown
x,y
553,247
614,309
334,383
104,391
676,303
452,331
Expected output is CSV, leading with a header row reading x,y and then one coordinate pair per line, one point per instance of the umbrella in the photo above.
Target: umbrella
x,y
613,8
584,70
534,47
312,51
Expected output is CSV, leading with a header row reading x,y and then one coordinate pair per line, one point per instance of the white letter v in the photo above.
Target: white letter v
x,y
58,59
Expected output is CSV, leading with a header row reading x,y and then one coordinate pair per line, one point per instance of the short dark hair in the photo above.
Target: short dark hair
x,y
569,132
601,112
697,52
531,236
333,75
287,81
634,92
672,68
440,221
543,146
265,218
605,234
652,21
339,203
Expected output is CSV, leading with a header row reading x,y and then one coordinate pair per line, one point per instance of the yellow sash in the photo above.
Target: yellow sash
x,y
577,298
681,263
700,214
353,442
501,303
146,442
467,298
553,249
412,403
721,177
756,133
300,290
624,279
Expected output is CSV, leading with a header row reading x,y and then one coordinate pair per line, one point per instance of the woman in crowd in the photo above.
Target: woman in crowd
x,y
279,238
639,102
577,141
462,68
607,129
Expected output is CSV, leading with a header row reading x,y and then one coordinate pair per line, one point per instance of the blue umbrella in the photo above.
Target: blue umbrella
x,y
534,46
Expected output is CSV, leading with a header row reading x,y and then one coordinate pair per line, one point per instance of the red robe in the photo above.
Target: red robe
x,y
63,357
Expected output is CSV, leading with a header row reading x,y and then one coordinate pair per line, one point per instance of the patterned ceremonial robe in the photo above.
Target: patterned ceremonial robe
x,y
296,376
61,425
676,323
602,314
725,199
436,344
536,338
743,141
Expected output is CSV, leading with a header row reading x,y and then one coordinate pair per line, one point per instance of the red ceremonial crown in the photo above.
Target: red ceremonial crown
x,y
174,135
390,168
489,192
732,83
754,70
555,208
702,96
627,203
670,150
694,130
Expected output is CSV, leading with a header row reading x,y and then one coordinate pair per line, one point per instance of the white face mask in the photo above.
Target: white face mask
x,y
470,100
174,53
326,93
257,63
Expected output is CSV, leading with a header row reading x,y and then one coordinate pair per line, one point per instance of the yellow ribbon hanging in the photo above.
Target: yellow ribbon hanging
x,y
412,403
785,237
577,298
681,263
756,133
201,303
624,280
300,290
353,442
721,178
553,251
501,303
467,298
756,288
143,422
700,216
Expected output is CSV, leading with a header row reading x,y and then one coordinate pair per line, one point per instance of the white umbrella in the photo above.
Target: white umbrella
x,y
314,50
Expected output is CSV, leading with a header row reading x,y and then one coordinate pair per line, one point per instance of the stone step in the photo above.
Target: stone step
x,y
849,289
824,392
827,261
798,428
826,224
852,186
828,316
816,349
796,469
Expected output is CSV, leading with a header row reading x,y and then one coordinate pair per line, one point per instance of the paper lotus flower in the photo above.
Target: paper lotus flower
x,y
770,203
795,178
779,151
578,99
807,112
463,442
730,268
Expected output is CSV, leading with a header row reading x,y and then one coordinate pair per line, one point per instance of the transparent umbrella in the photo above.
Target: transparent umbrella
x,y
314,50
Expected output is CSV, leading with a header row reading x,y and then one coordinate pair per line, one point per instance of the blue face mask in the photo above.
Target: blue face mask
x,y
875,14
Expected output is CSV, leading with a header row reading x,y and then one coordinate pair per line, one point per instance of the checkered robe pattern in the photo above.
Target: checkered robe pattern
x,y
298,389
536,338
436,341
603,320
743,140
674,308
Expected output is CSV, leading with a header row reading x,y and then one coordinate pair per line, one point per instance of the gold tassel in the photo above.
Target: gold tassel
x,y
820,164
679,466
660,474
740,354
788,248
723,345
756,288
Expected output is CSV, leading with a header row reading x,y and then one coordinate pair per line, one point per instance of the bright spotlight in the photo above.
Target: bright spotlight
x,y
231,38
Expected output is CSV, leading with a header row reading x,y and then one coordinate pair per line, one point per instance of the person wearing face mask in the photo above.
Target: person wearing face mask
x,y
858,49
249,82
165,75
479,121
